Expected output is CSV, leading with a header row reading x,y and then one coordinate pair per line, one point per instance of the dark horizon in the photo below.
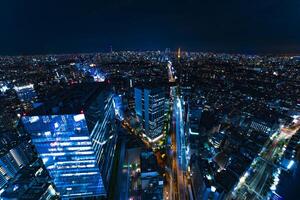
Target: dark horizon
x,y
249,53
55,27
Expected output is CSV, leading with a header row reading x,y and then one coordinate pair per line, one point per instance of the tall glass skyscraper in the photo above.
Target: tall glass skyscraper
x,y
12,161
75,136
150,108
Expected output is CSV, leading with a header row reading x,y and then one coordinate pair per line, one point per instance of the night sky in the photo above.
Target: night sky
x,y
65,26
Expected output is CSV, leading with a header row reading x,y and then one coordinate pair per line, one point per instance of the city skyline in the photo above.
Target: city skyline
x,y
149,100
150,125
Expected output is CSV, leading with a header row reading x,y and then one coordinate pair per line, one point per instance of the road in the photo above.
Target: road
x,y
256,182
180,147
178,185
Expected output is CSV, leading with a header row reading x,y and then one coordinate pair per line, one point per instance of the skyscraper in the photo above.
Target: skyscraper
x,y
12,161
75,135
150,109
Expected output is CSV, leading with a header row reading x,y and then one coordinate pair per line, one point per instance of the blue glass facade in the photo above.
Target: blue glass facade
x,y
11,162
150,108
101,120
138,101
118,106
66,148
146,111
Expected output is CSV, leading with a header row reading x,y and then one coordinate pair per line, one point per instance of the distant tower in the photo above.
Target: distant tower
x,y
178,53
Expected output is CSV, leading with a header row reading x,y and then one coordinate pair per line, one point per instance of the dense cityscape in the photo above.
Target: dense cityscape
x,y
151,125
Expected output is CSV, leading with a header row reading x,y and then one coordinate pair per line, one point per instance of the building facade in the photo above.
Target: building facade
x,y
75,136
12,161
150,104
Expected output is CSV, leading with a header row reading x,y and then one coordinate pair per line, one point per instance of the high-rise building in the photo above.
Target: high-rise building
x,y
12,161
75,136
178,53
150,109
31,182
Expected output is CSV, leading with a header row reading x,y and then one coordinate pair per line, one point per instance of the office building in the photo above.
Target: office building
x,y
13,161
75,136
31,182
26,92
150,103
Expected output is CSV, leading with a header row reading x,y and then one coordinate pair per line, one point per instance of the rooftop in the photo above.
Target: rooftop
x,y
70,100
148,162
152,85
